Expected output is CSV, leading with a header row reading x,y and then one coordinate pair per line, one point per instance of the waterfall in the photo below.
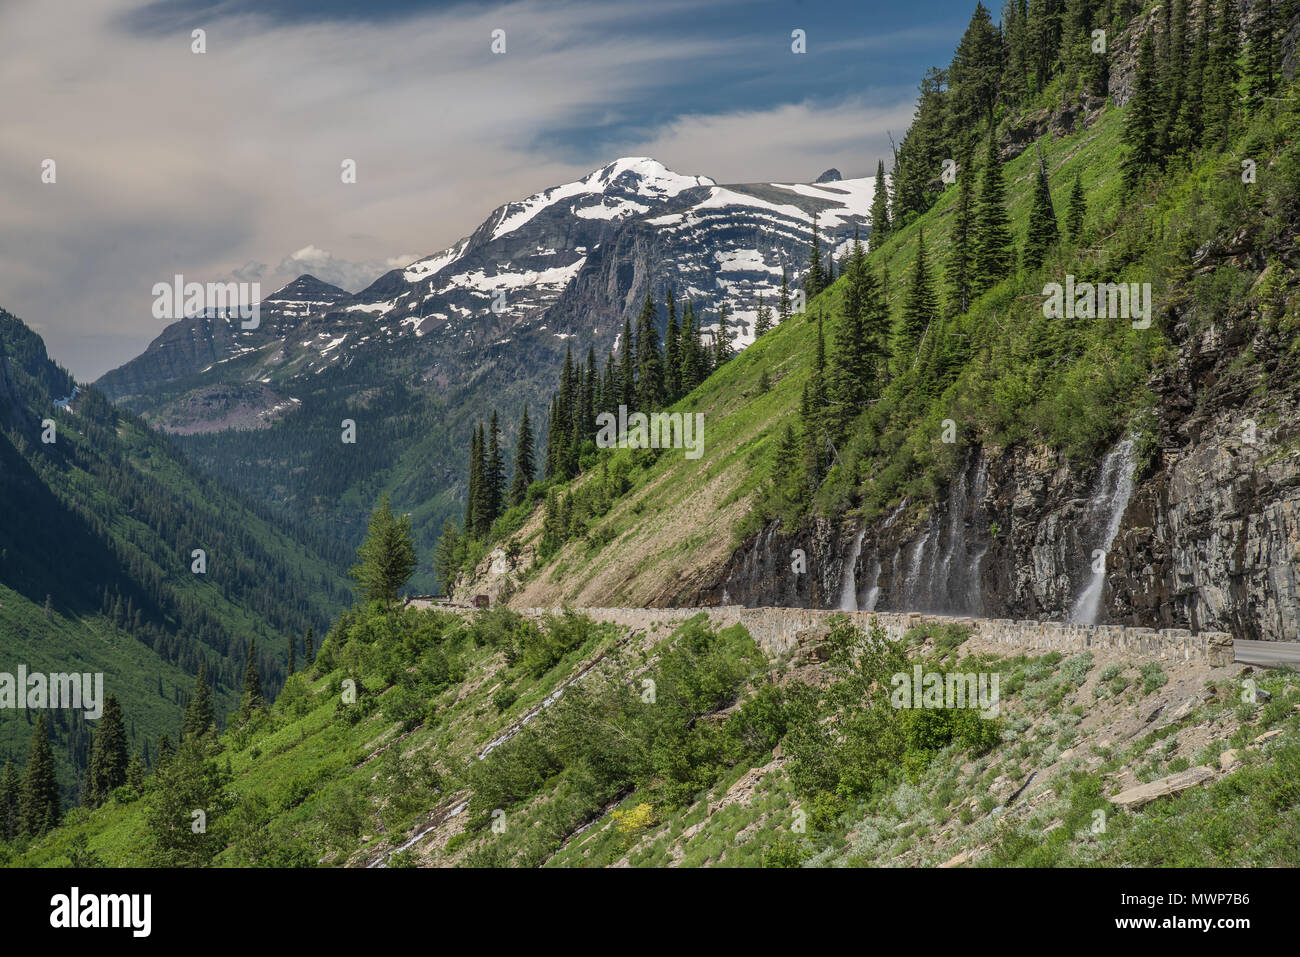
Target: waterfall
x,y
974,596
849,586
1108,502
873,593
913,581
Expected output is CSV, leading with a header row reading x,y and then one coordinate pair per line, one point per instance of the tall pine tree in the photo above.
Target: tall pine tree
x,y
525,468
199,717
816,275
920,309
672,353
1043,233
494,472
994,252
108,755
39,802
650,361
961,256
880,224
763,321
1142,124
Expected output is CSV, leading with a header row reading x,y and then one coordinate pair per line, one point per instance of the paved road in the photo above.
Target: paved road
x,y
1269,653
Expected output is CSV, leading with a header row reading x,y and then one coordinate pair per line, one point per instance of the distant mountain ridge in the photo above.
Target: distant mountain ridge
x,y
706,241
425,350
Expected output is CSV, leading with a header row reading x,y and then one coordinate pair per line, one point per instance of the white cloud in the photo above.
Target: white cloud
x,y
787,143
213,165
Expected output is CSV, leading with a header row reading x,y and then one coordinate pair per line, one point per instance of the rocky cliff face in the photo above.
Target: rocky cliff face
x,y
1205,534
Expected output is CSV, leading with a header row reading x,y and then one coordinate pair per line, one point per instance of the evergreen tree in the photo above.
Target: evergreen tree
x,y
1223,72
921,307
929,140
293,654
590,388
11,787
199,718
672,353
563,426
1043,232
446,562
609,386
252,699
554,436
973,76
108,755
494,473
386,558
1189,124
650,361
880,224
722,348
480,514
961,256
1173,70
694,359
994,251
853,357
627,369
165,750
814,280
525,468
812,417
473,494
135,771
1078,210
1141,125
783,302
39,802
1263,54
189,782
308,652
763,323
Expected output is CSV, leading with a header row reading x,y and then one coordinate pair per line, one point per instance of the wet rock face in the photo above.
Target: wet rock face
x,y
1205,536
1214,541
1211,542
1011,539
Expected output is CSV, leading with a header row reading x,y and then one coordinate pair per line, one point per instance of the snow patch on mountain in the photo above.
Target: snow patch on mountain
x,y
427,267
638,176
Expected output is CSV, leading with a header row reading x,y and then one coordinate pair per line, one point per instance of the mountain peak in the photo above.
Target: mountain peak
x,y
653,178
308,288
832,175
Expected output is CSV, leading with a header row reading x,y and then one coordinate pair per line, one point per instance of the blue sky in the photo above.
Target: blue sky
x,y
225,164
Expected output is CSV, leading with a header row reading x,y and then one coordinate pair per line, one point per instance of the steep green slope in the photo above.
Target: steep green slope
x,y
654,526
96,559
685,745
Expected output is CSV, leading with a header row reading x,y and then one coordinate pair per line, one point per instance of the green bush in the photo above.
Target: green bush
x,y
503,698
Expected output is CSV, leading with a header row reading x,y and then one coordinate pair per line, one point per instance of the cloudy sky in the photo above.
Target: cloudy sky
x,y
227,164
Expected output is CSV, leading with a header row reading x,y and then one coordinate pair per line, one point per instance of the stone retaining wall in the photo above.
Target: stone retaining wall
x,y
775,629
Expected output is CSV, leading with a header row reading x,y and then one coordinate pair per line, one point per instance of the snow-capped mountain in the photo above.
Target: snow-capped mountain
x,y
523,256
424,351
574,259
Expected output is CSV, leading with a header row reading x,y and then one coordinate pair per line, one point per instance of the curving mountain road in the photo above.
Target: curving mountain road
x,y
1270,654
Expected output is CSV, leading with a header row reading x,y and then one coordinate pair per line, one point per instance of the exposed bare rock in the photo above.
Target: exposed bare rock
x,y
1135,797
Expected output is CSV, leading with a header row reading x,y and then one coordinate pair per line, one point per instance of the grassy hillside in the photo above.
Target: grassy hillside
x,y
96,562
648,527
689,747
